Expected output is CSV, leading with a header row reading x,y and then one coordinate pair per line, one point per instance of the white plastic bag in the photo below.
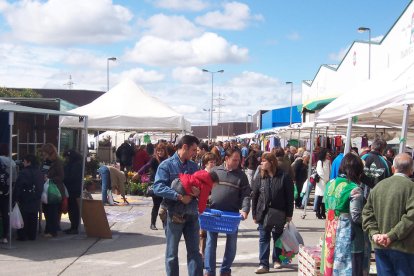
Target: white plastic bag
x,y
16,219
44,193
110,198
291,238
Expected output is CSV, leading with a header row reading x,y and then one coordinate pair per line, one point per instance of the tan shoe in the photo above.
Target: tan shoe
x,y
277,265
261,270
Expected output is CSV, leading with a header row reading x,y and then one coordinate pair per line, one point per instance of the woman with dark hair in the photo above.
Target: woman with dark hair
x,y
53,169
272,189
323,168
151,167
27,193
73,183
343,250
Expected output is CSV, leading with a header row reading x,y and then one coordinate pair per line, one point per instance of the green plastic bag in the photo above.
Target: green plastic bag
x,y
53,193
295,192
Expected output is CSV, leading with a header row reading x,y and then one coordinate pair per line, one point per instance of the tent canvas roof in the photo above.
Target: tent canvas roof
x,y
6,106
128,107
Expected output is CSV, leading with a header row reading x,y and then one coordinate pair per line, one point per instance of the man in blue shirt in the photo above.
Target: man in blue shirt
x,y
167,171
336,164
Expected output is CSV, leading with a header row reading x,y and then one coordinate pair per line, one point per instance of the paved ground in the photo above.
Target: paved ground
x,y
134,248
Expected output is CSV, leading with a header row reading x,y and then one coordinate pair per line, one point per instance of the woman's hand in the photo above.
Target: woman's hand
x,y
288,219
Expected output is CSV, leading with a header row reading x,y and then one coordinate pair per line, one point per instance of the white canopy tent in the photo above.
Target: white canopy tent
x,y
128,107
384,101
11,108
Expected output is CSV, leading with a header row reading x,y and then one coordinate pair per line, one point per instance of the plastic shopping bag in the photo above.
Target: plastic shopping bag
x,y
16,219
53,194
44,193
291,238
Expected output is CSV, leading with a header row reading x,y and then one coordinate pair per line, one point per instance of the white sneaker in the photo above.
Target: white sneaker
x,y
261,269
277,265
5,241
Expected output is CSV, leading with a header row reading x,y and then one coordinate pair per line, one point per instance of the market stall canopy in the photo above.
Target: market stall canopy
x,y
377,101
128,107
7,106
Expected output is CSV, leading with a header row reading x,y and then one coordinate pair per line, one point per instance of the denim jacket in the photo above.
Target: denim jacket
x,y
169,170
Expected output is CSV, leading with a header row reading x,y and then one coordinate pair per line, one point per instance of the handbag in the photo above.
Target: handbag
x,y
274,218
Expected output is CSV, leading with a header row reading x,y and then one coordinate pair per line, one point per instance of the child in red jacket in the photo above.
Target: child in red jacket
x,y
203,180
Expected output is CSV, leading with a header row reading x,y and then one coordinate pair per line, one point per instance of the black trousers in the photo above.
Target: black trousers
x,y
320,206
5,218
30,226
52,216
73,210
155,208
357,264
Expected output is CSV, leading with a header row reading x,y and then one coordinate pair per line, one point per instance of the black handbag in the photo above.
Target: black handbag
x,y
274,218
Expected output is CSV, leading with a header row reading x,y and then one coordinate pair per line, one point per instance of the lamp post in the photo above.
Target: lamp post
x,y
291,100
212,93
209,116
363,30
247,122
107,70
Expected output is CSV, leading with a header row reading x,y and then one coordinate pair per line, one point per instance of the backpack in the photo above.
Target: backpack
x,y
4,179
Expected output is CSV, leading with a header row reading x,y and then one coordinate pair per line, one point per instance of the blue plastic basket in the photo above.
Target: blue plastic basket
x,y
219,221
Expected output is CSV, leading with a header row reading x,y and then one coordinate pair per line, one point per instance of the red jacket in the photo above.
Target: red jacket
x,y
141,158
202,180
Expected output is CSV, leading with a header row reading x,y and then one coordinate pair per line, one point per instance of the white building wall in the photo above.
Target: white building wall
x,y
389,58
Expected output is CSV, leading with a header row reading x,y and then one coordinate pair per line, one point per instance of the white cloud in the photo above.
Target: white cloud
x,y
140,75
235,16
206,49
190,75
294,36
181,5
253,79
169,27
67,22
337,57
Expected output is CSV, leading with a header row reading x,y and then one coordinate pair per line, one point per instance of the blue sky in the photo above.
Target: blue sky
x,y
163,44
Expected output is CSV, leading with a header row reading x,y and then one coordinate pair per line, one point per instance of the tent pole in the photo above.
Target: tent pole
x,y
348,136
404,128
85,150
11,123
59,134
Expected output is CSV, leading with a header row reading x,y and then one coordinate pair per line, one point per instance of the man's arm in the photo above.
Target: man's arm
x,y
245,195
162,183
369,222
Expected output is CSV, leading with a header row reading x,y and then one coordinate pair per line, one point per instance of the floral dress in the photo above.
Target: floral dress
x,y
343,201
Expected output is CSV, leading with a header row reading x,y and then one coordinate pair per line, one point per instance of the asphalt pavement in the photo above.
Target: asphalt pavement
x,y
134,249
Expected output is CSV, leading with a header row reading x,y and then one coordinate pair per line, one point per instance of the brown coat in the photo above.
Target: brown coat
x,y
56,174
118,180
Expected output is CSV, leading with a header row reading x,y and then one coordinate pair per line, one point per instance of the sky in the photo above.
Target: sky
x,y
163,45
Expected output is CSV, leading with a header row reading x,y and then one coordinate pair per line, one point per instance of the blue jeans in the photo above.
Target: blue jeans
x,y
173,232
210,253
264,246
392,262
106,182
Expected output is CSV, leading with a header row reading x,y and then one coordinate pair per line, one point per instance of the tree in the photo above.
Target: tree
x,y
18,93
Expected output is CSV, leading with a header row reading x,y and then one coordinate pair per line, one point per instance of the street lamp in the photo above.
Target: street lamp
x,y
247,122
363,30
209,114
212,93
291,100
107,70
